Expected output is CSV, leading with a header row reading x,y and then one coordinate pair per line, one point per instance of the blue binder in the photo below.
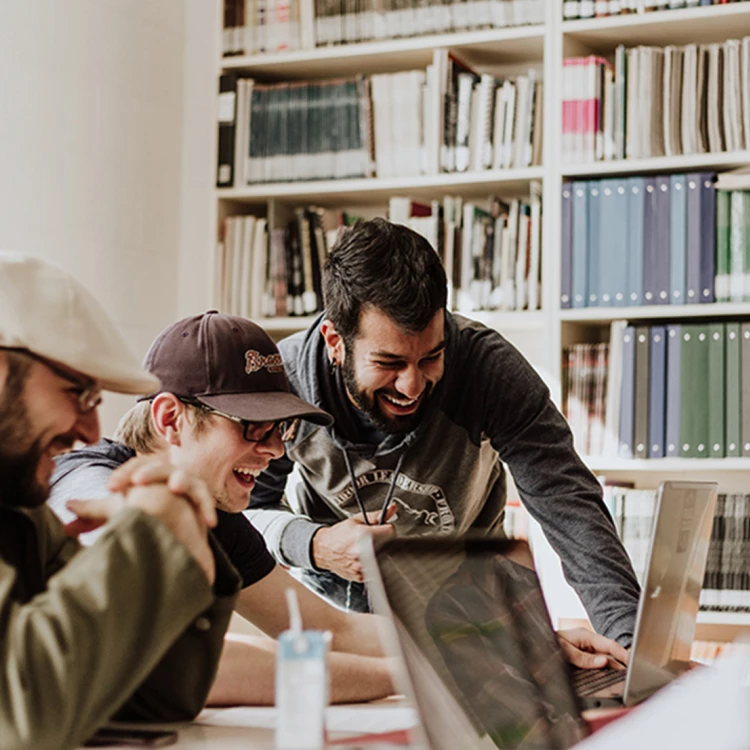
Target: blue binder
x,y
627,393
595,248
677,238
672,410
708,237
635,241
580,244
566,244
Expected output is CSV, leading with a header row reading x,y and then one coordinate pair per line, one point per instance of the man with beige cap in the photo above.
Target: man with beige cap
x,y
132,626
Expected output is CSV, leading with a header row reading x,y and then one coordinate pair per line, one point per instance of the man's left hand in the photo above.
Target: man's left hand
x,y
589,650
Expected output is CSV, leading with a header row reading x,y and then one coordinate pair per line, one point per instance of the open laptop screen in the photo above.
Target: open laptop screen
x,y
474,609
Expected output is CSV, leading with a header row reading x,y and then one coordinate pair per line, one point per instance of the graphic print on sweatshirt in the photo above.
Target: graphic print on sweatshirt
x,y
422,508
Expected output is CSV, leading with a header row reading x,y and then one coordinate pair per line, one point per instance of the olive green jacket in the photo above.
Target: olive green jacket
x,y
128,628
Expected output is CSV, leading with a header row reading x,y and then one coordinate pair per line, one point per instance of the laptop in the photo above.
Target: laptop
x,y
482,661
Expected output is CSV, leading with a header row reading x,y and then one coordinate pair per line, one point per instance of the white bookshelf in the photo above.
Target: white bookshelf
x,y
546,331
367,191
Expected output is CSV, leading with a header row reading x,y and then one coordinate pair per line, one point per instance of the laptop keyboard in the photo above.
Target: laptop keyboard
x,y
588,681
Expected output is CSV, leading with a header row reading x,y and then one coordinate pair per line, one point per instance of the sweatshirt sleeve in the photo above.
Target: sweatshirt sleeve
x,y
288,535
534,440
130,618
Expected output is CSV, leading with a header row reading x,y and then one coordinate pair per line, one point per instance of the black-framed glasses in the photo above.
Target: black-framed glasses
x,y
254,432
86,391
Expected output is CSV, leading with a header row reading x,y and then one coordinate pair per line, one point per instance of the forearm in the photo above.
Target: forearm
x,y
247,674
358,634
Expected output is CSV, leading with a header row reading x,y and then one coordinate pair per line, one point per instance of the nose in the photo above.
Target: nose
x,y
410,381
87,427
273,447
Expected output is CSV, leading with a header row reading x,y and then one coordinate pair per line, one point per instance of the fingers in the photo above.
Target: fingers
x,y
373,516
583,659
96,510
78,526
181,483
124,476
383,532
584,640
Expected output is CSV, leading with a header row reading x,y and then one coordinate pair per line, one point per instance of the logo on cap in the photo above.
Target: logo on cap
x,y
255,361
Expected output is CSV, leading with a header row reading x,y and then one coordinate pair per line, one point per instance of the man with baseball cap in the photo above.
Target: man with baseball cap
x,y
224,412
132,626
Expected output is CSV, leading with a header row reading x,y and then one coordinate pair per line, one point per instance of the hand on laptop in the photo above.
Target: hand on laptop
x,y
588,650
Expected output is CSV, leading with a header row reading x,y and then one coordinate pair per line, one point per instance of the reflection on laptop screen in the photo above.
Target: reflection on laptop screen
x,y
474,609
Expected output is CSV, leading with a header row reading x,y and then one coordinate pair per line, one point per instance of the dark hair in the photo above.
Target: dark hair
x,y
387,266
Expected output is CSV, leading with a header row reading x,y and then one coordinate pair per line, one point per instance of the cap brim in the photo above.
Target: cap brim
x,y
267,407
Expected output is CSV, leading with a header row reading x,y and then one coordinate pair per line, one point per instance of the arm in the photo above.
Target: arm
x,y
264,604
288,535
71,649
247,674
533,439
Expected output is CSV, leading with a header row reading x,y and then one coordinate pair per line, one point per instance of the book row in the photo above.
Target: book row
x,y
602,8
260,273
259,26
445,118
657,101
726,583
491,252
655,391
630,241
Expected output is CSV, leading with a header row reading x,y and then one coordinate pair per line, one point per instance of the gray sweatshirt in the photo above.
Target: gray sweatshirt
x,y
490,408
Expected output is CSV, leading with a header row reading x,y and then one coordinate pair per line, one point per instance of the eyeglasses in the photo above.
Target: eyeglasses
x,y
255,432
86,392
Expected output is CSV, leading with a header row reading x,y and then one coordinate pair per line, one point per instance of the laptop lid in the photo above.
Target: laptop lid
x,y
668,607
483,663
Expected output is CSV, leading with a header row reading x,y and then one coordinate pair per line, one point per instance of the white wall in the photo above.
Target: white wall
x,y
91,113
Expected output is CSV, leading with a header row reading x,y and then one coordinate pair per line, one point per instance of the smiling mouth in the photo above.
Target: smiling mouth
x,y
401,405
246,477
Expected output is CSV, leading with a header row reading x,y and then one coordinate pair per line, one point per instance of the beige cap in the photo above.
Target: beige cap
x,y
45,310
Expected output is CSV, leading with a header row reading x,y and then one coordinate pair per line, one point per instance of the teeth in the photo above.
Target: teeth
x,y
248,472
401,402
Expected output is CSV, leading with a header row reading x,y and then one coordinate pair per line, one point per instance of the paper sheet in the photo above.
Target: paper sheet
x,y
354,719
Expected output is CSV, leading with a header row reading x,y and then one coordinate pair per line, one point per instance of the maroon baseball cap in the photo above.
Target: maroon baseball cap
x,y
229,364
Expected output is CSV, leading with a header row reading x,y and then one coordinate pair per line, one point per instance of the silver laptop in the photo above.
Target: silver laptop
x,y
482,661
668,607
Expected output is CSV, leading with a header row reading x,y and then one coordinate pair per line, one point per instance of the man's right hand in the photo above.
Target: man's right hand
x,y
179,513
335,547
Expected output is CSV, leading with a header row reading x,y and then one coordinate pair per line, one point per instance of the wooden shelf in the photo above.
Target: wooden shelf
x,y
721,626
685,26
663,465
654,312
372,190
659,164
286,325
512,45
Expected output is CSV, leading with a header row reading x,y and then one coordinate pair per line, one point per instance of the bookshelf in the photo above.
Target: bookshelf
x,y
540,334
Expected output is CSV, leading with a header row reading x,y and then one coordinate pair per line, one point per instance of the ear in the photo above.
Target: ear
x,y
334,342
169,417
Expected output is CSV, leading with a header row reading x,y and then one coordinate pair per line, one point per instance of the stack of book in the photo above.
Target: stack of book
x,y
677,390
601,8
629,241
657,101
447,118
726,583
258,273
491,252
259,26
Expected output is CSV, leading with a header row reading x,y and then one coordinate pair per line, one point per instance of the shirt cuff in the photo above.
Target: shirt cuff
x,y
296,542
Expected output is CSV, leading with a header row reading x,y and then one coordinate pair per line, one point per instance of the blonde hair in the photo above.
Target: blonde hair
x,y
136,428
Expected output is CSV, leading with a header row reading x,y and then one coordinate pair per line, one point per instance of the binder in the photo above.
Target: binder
x,y
627,398
745,386
566,271
672,400
580,244
693,255
661,250
708,237
677,238
650,246
595,248
733,390
641,405
716,392
618,239
611,255
635,241
227,118
656,398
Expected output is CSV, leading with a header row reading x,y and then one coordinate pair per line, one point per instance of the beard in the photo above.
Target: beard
x,y
369,406
19,486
